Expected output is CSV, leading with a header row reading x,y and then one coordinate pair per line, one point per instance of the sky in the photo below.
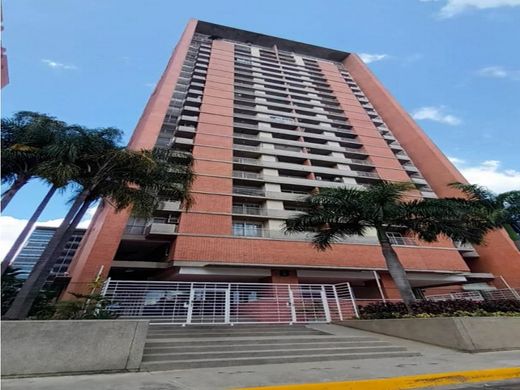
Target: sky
x,y
454,65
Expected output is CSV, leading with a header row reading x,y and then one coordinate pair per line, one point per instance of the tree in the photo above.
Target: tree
x,y
122,178
58,162
338,212
25,138
10,286
503,208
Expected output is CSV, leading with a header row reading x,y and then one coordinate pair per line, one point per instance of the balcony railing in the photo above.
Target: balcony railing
x,y
246,175
305,236
246,147
403,241
248,191
248,210
161,229
367,174
245,160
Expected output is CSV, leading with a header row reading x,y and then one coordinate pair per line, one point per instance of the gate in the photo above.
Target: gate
x,y
229,303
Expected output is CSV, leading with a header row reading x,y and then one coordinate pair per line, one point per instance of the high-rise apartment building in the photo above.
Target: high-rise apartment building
x,y
269,121
36,244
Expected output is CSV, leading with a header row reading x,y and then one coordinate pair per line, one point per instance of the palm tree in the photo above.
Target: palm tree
x,y
122,178
504,208
25,138
338,212
57,164
11,283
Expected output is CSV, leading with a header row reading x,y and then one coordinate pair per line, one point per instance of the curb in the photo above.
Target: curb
x,y
407,382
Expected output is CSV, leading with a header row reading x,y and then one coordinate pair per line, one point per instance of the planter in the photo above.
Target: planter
x,y
469,334
59,347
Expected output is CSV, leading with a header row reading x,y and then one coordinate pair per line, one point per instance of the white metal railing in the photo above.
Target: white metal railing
x,y
481,295
469,295
398,240
229,303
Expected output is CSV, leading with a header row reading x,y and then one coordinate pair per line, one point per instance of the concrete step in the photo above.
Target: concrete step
x,y
273,345
227,328
230,333
219,362
274,353
225,342
192,327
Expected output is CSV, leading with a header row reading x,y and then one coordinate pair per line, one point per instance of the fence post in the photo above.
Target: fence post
x,y
337,302
513,291
325,304
105,287
353,300
376,276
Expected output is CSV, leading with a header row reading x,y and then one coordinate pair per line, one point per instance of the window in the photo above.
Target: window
x,y
247,229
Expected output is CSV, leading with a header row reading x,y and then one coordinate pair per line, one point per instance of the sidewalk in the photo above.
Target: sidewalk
x,y
433,360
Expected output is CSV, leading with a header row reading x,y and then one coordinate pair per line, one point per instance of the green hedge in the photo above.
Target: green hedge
x,y
449,308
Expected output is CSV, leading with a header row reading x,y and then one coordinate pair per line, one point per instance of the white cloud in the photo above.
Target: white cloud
x,y
499,72
456,160
368,58
435,114
11,227
489,174
456,7
58,65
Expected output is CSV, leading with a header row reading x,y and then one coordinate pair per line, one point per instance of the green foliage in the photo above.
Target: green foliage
x,y
503,209
84,307
10,286
25,139
334,213
448,308
140,179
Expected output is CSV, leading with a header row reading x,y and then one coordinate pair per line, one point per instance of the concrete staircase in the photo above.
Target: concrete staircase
x,y
171,347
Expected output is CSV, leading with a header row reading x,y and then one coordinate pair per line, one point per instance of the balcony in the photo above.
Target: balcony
x,y
428,194
169,206
395,240
247,175
419,180
268,213
466,250
366,174
245,160
160,229
251,191
306,236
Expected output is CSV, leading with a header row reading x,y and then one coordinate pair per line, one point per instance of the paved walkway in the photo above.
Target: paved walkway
x,y
433,360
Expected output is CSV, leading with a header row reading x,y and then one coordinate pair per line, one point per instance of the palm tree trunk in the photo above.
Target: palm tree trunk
x,y
27,229
8,195
396,269
31,288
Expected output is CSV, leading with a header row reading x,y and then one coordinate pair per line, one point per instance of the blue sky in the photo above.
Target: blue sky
x,y
453,64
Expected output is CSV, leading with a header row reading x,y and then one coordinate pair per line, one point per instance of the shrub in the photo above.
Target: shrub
x,y
84,307
449,308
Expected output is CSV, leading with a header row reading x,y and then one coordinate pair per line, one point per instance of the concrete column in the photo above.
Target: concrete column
x,y
265,135
269,172
271,187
